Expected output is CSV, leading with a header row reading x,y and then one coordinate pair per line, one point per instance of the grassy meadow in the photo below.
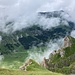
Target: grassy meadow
x,y
18,72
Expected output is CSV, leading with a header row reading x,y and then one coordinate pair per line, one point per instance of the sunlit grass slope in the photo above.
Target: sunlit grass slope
x,y
18,72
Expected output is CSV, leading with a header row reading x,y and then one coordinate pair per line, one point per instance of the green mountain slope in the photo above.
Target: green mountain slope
x,y
65,63
32,36
18,72
33,68
35,34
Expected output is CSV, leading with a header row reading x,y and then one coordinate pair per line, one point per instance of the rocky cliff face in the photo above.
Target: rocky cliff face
x,y
67,42
24,66
31,65
44,63
61,52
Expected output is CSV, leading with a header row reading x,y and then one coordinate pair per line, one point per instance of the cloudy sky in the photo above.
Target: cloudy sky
x,y
22,11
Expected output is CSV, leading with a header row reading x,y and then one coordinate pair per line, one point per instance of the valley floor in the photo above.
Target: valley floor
x,y
18,72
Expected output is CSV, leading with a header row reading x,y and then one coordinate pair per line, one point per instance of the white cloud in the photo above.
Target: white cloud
x,y
73,33
0,38
48,23
38,55
23,11
7,2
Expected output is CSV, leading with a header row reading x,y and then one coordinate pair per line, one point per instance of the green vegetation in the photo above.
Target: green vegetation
x,y
18,72
56,64
64,64
31,36
34,66
70,50
55,58
15,48
13,60
33,69
16,59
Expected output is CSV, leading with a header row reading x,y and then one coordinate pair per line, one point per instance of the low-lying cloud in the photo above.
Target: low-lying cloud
x,y
73,33
38,55
23,12
1,58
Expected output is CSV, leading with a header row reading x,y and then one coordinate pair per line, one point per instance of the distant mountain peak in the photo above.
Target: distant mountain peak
x,y
52,14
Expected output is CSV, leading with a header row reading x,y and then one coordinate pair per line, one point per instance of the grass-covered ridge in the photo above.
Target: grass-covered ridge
x,y
34,66
33,69
18,72
64,64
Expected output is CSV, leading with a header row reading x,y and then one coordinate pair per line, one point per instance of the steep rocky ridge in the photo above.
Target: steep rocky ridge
x,y
63,60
